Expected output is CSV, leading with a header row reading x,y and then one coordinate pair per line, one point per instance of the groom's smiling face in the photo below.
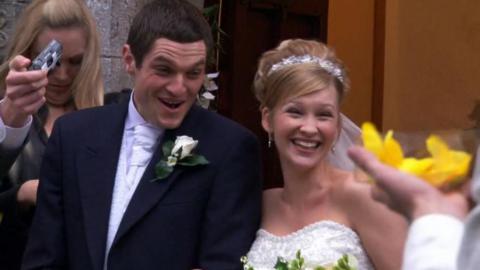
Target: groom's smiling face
x,y
167,81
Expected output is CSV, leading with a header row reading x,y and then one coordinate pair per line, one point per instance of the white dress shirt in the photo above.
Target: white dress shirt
x,y
123,187
433,243
11,138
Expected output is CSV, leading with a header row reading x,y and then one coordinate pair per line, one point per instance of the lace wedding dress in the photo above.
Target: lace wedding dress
x,y
321,243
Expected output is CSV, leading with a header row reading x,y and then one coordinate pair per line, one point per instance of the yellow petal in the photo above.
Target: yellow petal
x,y
392,151
418,167
438,148
372,141
453,171
437,178
449,166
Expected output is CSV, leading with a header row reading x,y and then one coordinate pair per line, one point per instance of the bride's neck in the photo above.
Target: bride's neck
x,y
305,187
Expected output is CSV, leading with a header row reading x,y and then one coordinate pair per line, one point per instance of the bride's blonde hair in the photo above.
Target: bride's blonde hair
x,y
277,79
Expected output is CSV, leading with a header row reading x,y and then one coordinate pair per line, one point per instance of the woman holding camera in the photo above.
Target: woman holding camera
x,y
33,100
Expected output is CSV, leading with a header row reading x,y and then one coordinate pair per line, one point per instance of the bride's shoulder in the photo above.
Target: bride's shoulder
x,y
271,203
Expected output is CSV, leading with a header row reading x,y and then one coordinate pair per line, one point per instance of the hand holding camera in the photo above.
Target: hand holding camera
x,y
25,85
49,58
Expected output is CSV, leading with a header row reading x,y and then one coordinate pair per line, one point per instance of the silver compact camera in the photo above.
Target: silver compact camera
x,y
48,58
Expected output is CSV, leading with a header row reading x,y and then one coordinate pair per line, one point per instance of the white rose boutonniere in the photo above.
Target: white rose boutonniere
x,y
185,144
178,153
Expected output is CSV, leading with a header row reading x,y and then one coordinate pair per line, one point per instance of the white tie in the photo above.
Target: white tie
x,y
144,138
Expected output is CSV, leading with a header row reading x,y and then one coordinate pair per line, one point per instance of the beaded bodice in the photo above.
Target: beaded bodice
x,y
321,243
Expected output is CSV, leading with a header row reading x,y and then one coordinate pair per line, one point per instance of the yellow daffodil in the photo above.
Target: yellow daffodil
x,y
449,166
388,151
444,167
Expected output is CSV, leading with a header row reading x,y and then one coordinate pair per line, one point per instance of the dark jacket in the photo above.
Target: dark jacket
x,y
198,217
16,167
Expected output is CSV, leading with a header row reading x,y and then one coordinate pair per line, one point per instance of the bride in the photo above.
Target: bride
x,y
321,210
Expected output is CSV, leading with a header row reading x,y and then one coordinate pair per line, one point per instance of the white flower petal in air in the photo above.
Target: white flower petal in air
x,y
213,75
208,96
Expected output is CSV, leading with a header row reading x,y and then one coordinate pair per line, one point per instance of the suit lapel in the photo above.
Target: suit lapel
x,y
97,165
148,193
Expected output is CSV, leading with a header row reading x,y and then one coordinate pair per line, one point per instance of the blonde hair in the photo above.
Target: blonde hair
x,y
87,88
294,80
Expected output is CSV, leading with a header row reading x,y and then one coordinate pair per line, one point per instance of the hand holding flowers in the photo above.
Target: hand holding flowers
x,y
443,168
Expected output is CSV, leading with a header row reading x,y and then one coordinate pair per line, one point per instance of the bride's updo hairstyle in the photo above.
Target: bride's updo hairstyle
x,y
295,68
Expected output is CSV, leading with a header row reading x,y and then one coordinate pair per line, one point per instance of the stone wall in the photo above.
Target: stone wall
x,y
9,11
113,19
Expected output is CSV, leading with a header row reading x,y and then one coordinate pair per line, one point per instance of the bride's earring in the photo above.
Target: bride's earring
x,y
269,140
333,146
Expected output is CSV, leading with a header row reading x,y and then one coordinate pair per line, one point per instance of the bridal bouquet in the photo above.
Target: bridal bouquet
x,y
346,262
436,161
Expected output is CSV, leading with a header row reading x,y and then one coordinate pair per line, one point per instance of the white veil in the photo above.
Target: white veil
x,y
349,134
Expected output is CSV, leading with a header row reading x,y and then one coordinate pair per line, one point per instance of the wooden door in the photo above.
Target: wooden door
x,y
254,26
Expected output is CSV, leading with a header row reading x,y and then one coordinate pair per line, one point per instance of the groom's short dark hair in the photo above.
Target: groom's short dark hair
x,y
176,20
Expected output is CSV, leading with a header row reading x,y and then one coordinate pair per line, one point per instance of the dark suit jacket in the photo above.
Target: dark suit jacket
x,y
203,216
16,167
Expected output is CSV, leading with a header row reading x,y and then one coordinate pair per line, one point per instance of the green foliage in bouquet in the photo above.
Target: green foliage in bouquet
x,y
346,262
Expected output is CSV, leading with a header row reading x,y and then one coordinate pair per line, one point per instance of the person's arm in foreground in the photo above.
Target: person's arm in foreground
x,y
436,230
24,95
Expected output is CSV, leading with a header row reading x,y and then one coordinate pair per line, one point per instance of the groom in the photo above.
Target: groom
x,y
103,205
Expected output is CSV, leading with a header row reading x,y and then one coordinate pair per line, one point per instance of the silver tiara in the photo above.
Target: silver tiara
x,y
327,65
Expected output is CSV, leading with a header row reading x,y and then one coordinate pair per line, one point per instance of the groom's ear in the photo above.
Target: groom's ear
x,y
128,60
266,119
